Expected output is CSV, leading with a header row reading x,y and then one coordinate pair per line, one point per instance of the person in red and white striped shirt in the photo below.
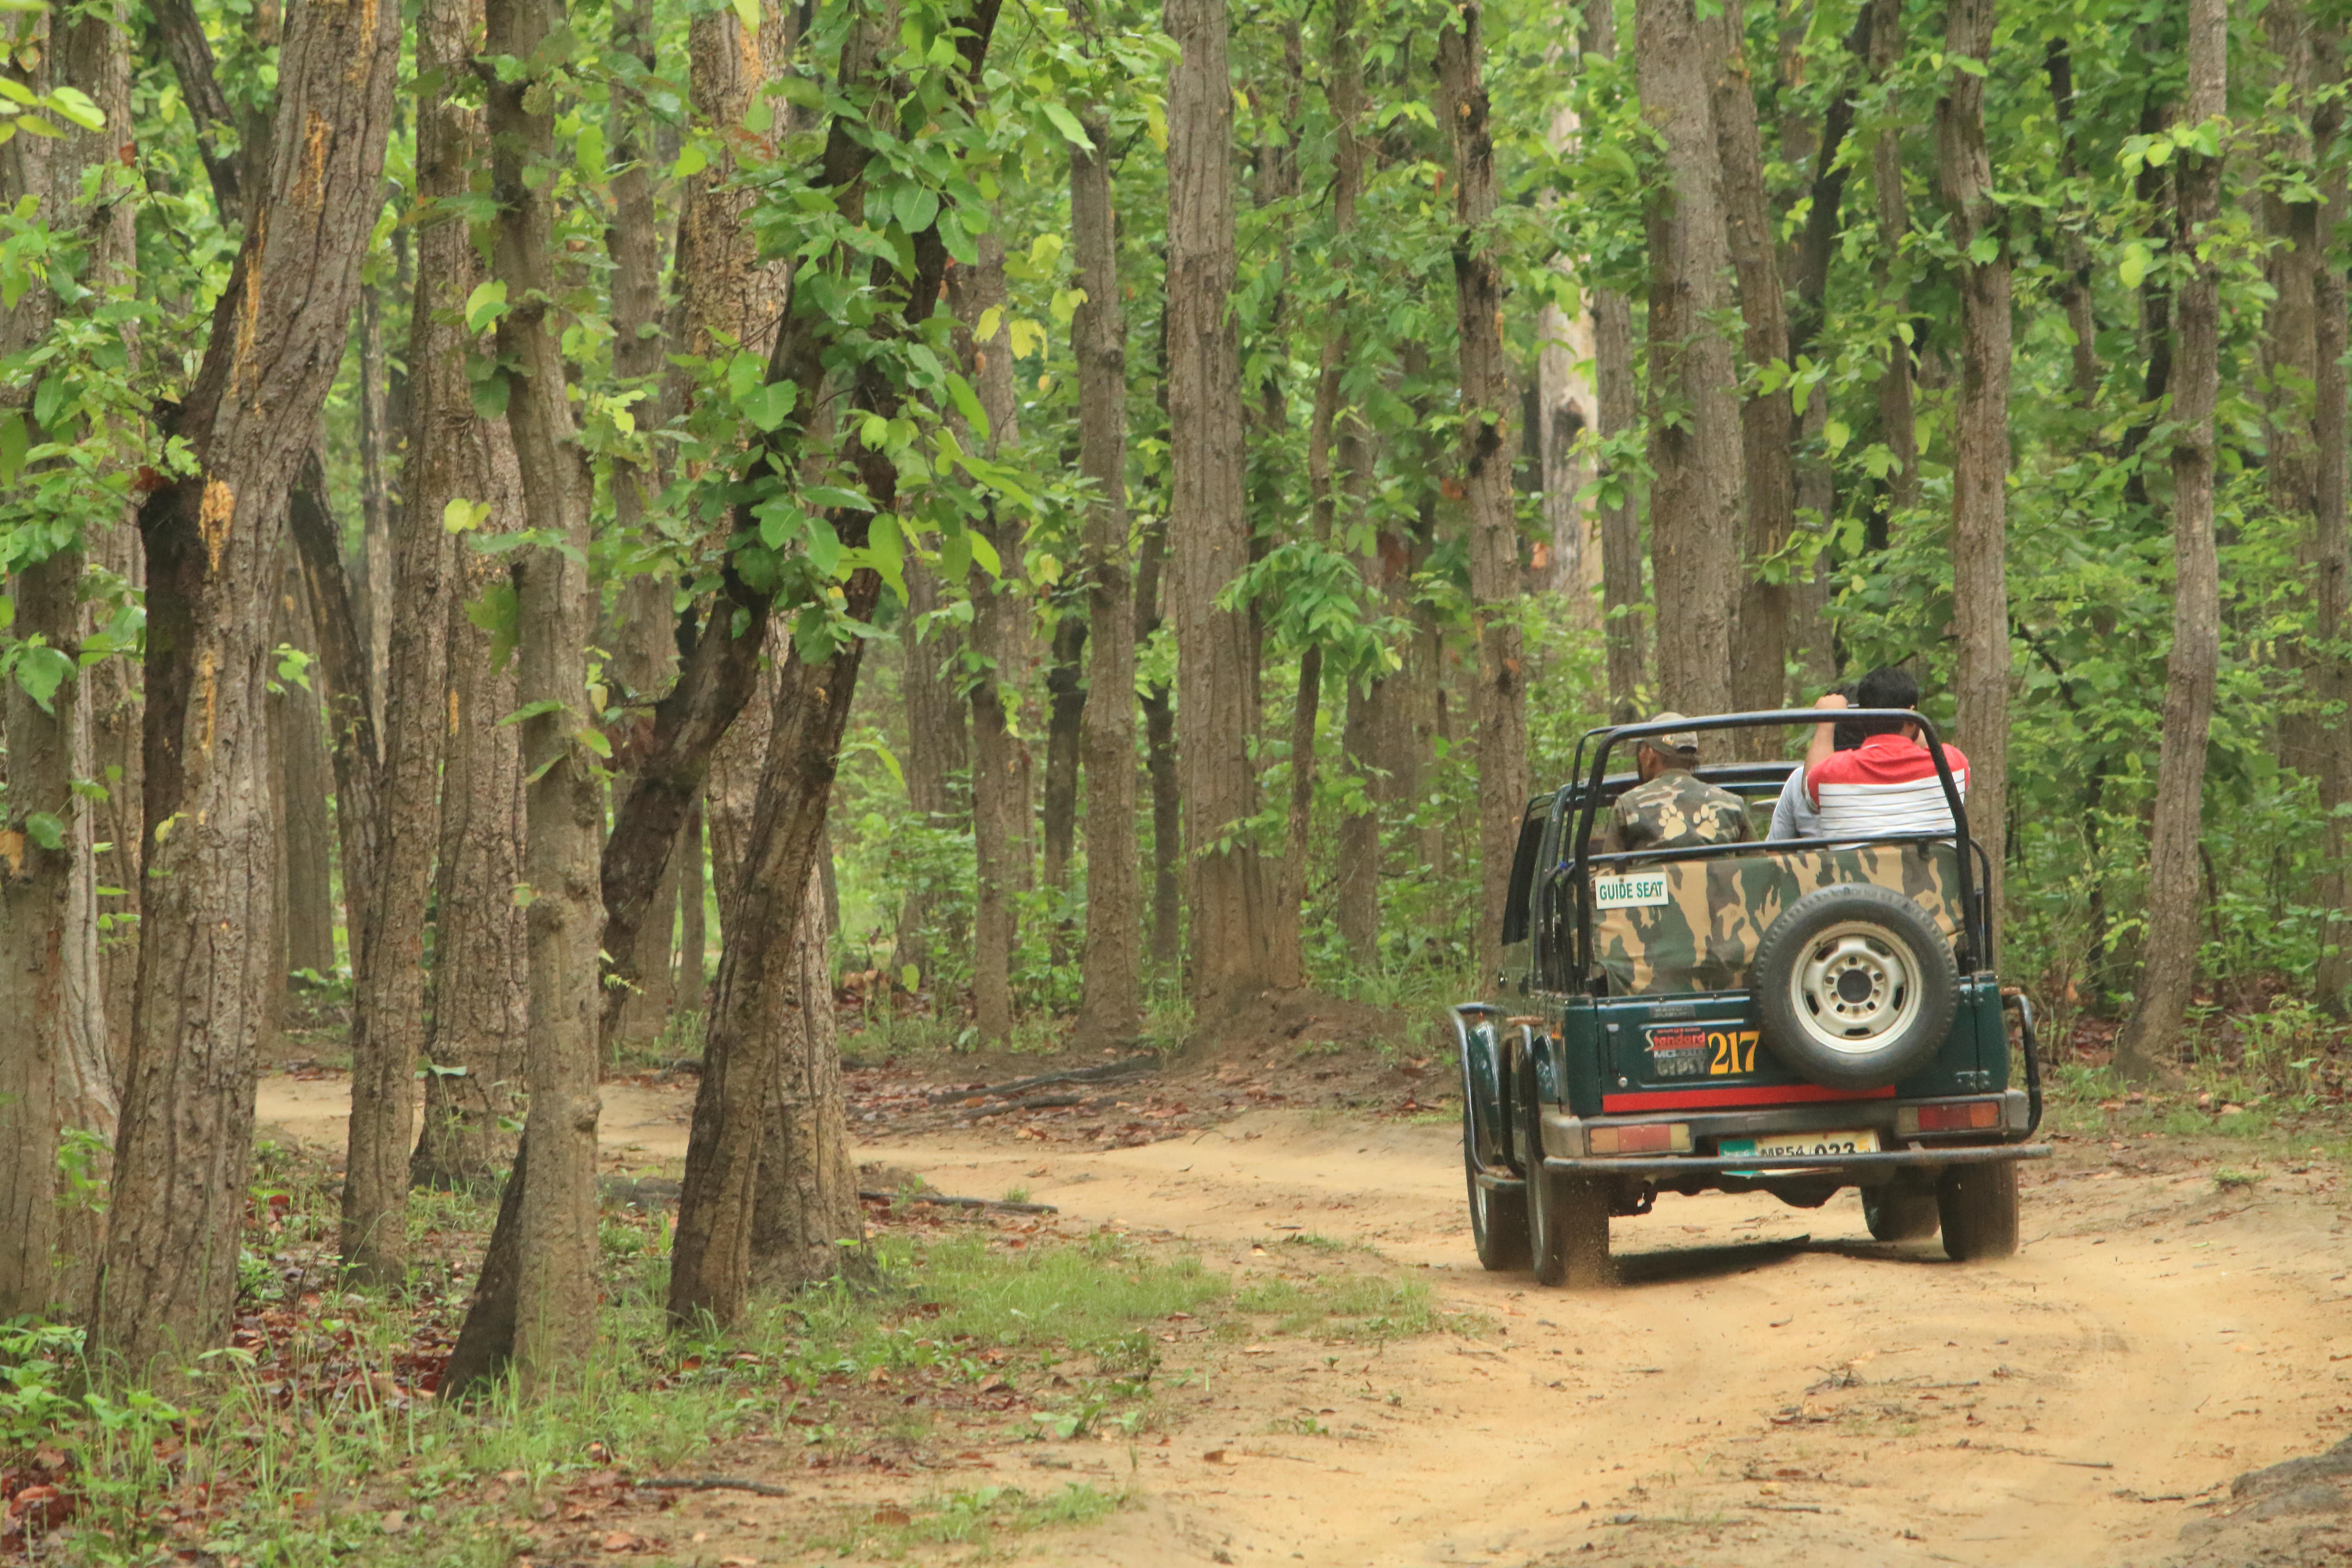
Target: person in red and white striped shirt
x,y
1888,783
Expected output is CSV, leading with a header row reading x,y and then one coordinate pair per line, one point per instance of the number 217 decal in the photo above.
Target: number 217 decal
x,y
1734,1051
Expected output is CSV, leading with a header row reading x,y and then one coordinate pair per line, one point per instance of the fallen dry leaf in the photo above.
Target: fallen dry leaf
x,y
893,1516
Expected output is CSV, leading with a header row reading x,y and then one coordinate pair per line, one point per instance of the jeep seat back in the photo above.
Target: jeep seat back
x,y
1704,937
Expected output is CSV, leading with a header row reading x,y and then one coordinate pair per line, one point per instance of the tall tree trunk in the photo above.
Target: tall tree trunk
x,y
298,740
1564,412
376,581
1767,420
481,965
939,748
2150,1039
1616,405
1208,529
1694,427
644,639
342,670
1979,443
2291,267
1065,708
564,816
693,936
474,1044
169,1278
2331,548
1811,645
1159,758
1498,696
2073,281
1004,648
1110,1001
1898,427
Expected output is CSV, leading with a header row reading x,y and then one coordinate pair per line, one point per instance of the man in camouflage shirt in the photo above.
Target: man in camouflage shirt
x,y
1671,808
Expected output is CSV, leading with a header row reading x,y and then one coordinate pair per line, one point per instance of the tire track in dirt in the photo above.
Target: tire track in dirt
x,y
1743,1397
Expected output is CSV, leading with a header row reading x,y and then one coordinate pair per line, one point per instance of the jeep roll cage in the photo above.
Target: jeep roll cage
x,y
1572,873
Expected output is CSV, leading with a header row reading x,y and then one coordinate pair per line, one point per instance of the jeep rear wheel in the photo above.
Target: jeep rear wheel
x,y
1855,986
1499,1217
1978,1205
1568,1211
1900,1212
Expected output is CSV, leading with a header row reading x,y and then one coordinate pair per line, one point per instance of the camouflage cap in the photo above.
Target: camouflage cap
x,y
1683,741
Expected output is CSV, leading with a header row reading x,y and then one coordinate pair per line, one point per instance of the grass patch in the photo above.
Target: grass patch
x,y
1346,1307
980,1520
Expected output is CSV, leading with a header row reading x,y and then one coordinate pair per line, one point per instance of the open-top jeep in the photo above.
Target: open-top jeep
x,y
1793,1016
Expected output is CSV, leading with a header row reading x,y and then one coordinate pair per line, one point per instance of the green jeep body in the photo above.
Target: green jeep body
x,y
1645,1019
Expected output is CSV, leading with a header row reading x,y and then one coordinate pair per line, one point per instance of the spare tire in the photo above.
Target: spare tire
x,y
1855,985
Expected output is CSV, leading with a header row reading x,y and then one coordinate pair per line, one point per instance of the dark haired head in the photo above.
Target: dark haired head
x,y
1885,687
1848,733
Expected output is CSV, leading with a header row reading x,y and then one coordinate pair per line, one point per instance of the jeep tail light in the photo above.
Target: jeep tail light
x,y
1646,1138
1959,1116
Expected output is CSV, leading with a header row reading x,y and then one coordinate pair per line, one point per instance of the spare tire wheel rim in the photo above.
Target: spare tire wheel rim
x,y
1856,989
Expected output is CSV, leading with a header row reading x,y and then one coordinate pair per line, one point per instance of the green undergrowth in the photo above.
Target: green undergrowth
x,y
316,1438
2216,1110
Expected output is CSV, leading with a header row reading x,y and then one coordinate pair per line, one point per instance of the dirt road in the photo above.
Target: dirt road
x,y
1767,1385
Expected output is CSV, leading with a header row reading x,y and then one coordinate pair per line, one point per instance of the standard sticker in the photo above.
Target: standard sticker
x,y
1678,1052
1640,890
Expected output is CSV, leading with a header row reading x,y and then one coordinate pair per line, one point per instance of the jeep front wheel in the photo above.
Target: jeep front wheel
x,y
1978,1205
1568,1211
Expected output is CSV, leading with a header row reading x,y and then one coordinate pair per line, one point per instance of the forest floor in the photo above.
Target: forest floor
x,y
1766,1384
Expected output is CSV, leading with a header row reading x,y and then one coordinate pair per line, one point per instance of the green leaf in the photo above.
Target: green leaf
x,y
485,305
1969,64
1836,434
533,710
40,670
835,496
747,13
76,105
44,830
2133,269
1067,124
768,407
916,208
588,151
1984,250
984,556
463,516
691,160
14,443
595,741
490,396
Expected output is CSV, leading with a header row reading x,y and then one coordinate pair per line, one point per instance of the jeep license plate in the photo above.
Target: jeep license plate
x,y
1864,1142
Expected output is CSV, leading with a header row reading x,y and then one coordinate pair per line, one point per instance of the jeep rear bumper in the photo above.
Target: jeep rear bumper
x,y
1700,1164
1564,1136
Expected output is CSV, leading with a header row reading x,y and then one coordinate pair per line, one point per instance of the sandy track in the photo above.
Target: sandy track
x,y
1743,1397
1765,1385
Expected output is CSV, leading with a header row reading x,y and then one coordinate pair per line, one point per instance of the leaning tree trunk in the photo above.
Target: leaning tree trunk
x,y
1767,420
1980,444
1208,527
1499,695
1694,427
804,1198
2150,1039
177,1204
939,748
1110,1003
564,819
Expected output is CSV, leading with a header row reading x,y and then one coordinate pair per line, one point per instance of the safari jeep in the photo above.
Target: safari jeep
x,y
1793,1017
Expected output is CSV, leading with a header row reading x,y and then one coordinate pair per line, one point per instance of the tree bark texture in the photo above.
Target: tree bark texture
x,y
1768,421
169,1280
1110,1001
1216,700
1617,405
1981,443
2292,267
804,1198
298,740
2150,1039
1005,654
555,1323
376,581
1898,427
1498,696
1694,427
1159,759
1066,708
481,971
342,670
